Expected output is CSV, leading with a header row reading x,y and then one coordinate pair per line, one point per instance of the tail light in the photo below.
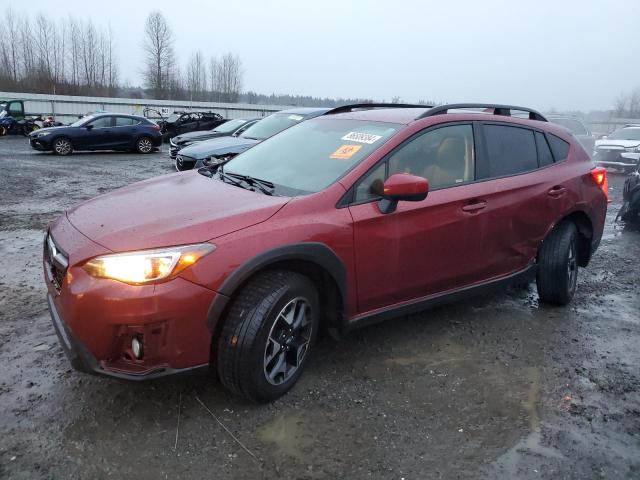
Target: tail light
x,y
599,177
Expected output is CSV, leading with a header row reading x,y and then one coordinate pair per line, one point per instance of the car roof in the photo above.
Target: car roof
x,y
114,114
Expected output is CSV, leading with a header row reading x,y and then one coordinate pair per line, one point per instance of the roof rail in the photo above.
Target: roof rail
x,y
497,110
369,106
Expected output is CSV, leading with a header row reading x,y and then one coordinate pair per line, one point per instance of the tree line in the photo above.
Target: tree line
x,y
75,57
627,105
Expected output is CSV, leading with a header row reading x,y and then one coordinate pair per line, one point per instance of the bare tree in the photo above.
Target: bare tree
x,y
196,76
621,103
226,77
158,48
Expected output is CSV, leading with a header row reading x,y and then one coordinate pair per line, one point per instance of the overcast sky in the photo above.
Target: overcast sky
x,y
567,54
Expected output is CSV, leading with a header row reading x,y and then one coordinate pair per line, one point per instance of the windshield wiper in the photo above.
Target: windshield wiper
x,y
264,186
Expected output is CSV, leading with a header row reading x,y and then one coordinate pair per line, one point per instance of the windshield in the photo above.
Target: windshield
x,y
229,126
625,134
574,126
81,121
312,155
271,125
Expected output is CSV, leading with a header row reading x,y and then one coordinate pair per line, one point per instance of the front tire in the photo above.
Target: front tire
x,y
62,146
268,334
144,145
557,274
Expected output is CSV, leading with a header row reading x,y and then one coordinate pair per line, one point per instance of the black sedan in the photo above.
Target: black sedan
x,y
232,127
182,122
104,131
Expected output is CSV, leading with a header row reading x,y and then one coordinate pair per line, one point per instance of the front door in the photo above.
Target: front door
x,y
425,247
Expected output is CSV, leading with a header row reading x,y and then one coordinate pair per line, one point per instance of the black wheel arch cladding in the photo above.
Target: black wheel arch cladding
x,y
315,253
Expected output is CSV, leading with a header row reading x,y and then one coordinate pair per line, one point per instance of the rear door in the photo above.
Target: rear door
x,y
124,132
522,191
423,247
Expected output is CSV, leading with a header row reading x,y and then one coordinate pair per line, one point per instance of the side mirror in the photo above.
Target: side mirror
x,y
402,187
89,127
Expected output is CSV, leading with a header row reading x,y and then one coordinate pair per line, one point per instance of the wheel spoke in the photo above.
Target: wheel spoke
x,y
279,367
273,349
288,341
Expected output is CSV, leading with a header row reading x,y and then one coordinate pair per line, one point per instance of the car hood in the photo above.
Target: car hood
x,y
617,143
198,136
47,129
174,209
218,146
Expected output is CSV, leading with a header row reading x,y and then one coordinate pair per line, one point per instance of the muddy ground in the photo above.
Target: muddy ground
x,y
495,387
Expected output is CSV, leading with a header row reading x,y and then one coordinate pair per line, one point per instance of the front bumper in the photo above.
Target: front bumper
x,y
97,319
38,144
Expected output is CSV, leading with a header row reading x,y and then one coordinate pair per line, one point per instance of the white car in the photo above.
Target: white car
x,y
620,150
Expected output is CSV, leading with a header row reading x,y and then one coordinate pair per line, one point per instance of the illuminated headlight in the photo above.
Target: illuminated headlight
x,y
147,266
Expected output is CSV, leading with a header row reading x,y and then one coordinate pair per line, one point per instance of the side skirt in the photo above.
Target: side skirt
x,y
424,303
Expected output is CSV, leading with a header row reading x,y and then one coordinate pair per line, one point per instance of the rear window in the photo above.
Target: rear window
x,y
559,147
511,150
544,152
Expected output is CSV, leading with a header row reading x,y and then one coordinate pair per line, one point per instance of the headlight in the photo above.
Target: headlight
x,y
632,149
146,266
43,134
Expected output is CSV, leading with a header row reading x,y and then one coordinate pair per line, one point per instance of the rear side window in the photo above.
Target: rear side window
x,y
559,147
544,152
125,121
511,150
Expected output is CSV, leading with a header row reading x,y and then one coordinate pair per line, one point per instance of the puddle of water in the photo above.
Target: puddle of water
x,y
289,434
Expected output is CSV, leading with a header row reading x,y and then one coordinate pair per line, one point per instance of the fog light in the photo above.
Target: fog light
x,y
136,348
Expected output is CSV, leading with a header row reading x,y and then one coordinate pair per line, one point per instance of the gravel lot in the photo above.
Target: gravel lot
x,y
495,387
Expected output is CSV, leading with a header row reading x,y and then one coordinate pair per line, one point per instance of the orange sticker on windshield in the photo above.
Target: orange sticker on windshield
x,y
345,152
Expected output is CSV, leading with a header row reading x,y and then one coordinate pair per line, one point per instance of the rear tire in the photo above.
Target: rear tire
x,y
557,273
62,146
144,145
3,131
267,335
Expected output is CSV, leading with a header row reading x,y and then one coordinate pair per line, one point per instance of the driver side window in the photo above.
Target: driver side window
x,y
445,156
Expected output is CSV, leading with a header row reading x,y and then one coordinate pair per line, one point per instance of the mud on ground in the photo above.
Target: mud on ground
x,y
494,387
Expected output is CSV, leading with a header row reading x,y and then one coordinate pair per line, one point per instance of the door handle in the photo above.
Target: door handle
x,y
557,191
474,206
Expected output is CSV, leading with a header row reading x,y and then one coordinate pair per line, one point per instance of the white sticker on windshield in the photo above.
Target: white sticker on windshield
x,y
297,118
361,137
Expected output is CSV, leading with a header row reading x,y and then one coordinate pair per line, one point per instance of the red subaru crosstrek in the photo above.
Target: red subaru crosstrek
x,y
343,220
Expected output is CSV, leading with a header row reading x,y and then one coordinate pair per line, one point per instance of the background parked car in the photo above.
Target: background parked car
x,y
578,129
110,131
183,122
232,127
194,156
620,150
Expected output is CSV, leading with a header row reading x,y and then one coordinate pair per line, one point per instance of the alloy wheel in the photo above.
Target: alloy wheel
x,y
62,147
288,341
144,145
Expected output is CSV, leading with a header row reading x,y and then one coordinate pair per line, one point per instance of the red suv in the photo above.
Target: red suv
x,y
340,221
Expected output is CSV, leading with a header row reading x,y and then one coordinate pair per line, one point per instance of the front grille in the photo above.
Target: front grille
x,y
56,262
